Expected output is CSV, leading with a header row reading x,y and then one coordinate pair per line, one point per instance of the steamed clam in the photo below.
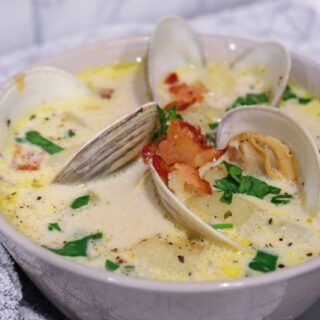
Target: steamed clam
x,y
38,86
123,139
278,160
262,147
174,45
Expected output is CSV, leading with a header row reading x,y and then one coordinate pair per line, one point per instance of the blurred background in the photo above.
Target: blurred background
x,y
38,21
33,29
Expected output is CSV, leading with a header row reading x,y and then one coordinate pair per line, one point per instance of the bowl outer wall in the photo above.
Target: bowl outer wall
x,y
85,293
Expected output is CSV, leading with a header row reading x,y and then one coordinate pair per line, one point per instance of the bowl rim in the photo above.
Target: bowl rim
x,y
10,232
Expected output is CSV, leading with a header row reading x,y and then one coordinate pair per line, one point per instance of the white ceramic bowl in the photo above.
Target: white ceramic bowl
x,y
84,293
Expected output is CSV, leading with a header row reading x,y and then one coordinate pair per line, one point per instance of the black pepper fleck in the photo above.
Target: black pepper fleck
x,y
181,259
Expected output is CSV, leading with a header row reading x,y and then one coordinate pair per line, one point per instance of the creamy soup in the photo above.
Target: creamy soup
x,y
117,223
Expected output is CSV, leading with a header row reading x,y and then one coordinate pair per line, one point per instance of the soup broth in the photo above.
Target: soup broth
x,y
117,222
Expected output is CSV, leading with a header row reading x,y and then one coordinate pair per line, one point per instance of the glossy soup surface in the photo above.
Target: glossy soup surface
x,y
117,223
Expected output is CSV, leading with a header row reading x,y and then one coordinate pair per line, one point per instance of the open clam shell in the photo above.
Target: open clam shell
x,y
276,123
267,121
275,61
111,148
35,87
172,45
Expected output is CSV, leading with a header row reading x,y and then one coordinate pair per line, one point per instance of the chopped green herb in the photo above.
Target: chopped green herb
x,y
35,138
282,198
54,226
111,266
19,140
227,184
264,262
71,133
33,116
77,248
211,138
235,182
255,187
234,171
304,100
80,202
250,99
221,226
213,125
164,118
163,125
226,197
172,114
290,94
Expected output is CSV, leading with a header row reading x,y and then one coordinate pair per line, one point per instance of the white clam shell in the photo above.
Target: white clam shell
x,y
276,123
38,86
172,45
116,145
275,59
185,216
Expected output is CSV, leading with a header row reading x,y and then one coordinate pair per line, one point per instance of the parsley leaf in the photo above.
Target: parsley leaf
x,y
54,226
227,184
304,100
213,125
290,94
35,138
221,226
281,198
172,114
19,140
70,133
235,182
226,197
80,202
264,262
249,99
234,171
77,248
211,139
111,266
255,187
164,118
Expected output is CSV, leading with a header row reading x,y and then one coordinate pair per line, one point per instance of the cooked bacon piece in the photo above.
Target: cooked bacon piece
x,y
148,152
26,160
106,93
161,167
179,105
184,95
171,78
184,145
191,178
195,133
